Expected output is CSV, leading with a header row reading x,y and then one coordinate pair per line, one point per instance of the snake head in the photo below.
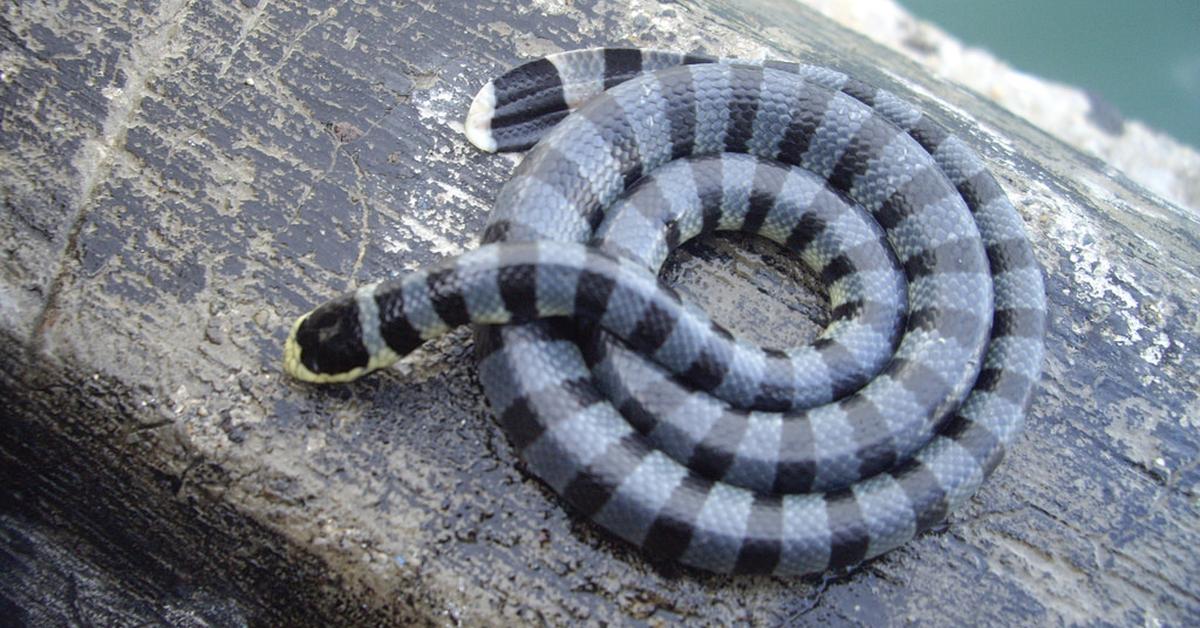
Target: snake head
x,y
326,344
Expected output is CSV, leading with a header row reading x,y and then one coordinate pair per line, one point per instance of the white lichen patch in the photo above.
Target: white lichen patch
x,y
432,236
1153,353
441,104
1131,427
1097,273
552,7
1190,417
453,195
351,38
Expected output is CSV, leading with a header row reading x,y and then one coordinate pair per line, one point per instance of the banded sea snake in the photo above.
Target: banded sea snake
x,y
656,423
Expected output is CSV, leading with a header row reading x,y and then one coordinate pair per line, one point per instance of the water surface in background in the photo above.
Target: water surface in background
x,y
1143,57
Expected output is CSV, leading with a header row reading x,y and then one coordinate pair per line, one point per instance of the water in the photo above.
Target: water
x,y
1143,57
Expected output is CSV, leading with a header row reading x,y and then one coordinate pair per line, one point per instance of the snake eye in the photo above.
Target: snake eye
x,y
330,339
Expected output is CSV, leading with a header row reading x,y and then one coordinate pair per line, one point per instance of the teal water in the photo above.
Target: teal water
x,y
1141,56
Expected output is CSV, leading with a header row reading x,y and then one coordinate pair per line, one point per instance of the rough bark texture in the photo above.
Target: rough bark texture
x,y
181,179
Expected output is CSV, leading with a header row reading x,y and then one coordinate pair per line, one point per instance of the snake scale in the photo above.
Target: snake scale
x,y
661,426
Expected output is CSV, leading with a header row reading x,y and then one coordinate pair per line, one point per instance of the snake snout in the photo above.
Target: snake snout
x,y
326,344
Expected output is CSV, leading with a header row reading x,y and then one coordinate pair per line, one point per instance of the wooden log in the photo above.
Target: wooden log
x,y
178,184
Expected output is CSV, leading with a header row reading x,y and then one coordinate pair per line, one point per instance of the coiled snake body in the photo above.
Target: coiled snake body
x,y
658,424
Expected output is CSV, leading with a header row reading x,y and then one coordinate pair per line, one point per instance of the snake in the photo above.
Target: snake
x,y
662,427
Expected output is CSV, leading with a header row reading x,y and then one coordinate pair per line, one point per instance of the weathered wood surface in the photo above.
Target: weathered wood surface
x,y
180,180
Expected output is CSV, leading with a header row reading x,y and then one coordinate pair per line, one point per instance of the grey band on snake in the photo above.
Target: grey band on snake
x,y
657,424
